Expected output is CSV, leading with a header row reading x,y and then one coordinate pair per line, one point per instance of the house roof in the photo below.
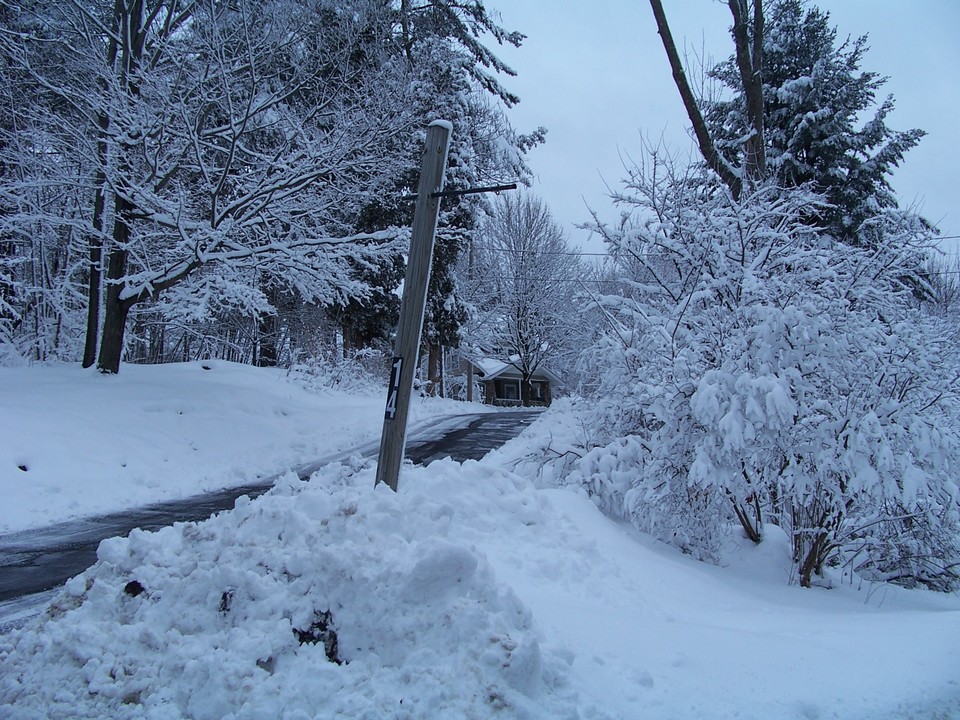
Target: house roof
x,y
491,368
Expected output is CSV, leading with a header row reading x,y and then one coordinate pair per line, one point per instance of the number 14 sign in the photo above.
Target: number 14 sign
x,y
394,388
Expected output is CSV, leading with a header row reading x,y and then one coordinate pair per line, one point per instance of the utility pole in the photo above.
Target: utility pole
x,y
415,284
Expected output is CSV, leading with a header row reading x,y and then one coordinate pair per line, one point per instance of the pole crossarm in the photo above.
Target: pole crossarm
x,y
467,191
474,191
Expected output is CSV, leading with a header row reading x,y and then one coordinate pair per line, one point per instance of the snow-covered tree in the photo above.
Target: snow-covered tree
x,y
458,77
775,366
822,120
40,265
943,276
454,75
206,134
522,277
184,162
759,370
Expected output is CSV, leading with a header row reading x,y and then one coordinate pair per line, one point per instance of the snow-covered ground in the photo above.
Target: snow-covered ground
x,y
471,593
75,443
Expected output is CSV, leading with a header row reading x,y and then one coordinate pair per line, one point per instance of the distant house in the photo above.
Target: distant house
x,y
501,380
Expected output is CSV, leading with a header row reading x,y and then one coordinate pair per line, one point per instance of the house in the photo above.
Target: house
x,y
501,381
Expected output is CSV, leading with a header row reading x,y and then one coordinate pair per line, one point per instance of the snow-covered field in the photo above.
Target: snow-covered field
x,y
471,593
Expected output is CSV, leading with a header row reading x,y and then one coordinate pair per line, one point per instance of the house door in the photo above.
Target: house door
x,y
537,394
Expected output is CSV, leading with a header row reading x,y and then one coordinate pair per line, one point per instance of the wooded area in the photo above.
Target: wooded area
x,y
188,178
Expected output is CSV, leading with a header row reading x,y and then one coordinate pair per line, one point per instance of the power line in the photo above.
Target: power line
x,y
606,255
480,280
538,281
543,252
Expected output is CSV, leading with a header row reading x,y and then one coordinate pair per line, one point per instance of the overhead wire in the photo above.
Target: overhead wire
x,y
573,253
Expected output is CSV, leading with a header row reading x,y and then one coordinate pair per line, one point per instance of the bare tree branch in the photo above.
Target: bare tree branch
x,y
708,149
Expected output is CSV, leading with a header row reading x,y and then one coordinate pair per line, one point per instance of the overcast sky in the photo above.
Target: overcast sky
x,y
595,74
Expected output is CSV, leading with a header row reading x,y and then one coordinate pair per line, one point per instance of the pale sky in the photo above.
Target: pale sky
x,y
595,74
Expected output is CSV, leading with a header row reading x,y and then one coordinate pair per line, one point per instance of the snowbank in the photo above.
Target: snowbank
x,y
207,621
468,594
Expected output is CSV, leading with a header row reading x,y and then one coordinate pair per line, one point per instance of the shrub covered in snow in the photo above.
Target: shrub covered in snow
x,y
755,370
358,372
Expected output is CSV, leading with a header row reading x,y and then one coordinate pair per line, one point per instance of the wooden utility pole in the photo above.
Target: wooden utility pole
x,y
417,279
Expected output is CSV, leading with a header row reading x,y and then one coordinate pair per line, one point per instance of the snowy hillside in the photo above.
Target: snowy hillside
x,y
471,593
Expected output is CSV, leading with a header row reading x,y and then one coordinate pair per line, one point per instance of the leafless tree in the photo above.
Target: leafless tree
x,y
523,277
207,134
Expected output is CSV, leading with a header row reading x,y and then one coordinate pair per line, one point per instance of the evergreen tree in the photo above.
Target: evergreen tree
x,y
814,96
455,79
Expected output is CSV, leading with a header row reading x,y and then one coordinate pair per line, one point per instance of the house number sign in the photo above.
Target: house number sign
x,y
394,388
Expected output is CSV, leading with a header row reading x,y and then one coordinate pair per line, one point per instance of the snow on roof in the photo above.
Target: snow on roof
x,y
490,367
493,368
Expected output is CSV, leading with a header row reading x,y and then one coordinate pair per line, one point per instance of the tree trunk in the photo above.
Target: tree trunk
x,y
96,263
99,205
347,332
267,327
443,372
111,340
753,527
405,34
115,309
131,36
814,559
157,341
814,531
707,148
433,370
750,64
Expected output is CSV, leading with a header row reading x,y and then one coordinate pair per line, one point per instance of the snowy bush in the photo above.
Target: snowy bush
x,y
361,371
755,370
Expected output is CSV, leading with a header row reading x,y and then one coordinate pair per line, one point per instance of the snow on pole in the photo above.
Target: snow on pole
x,y
417,279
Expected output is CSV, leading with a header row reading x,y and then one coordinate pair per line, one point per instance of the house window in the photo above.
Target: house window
x,y
511,390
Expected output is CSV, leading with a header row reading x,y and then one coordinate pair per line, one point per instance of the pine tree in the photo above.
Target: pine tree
x,y
814,96
455,79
